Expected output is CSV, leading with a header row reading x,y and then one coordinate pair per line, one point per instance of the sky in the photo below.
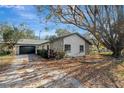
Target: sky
x,y
29,15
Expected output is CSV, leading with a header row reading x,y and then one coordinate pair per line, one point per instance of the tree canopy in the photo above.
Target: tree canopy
x,y
62,32
106,23
11,34
59,32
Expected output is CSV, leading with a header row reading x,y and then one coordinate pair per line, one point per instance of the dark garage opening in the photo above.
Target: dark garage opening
x,y
27,50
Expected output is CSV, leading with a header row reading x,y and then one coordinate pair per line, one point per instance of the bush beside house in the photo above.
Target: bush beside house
x,y
60,55
43,53
4,50
50,54
3,53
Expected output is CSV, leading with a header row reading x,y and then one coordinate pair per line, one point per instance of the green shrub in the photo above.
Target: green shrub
x,y
50,54
43,53
3,52
60,55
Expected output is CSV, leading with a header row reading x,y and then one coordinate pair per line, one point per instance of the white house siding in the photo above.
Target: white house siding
x,y
87,46
57,45
75,41
44,46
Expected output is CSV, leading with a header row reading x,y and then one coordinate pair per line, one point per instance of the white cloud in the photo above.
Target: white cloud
x,y
27,15
13,6
21,11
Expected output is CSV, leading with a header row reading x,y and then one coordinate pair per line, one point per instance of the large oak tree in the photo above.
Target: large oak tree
x,y
106,23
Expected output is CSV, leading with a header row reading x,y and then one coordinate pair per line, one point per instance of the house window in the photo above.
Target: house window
x,y
81,48
67,48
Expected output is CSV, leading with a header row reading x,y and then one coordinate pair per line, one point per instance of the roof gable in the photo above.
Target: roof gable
x,y
72,34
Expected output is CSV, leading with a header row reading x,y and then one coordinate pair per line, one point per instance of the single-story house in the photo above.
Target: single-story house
x,y
72,44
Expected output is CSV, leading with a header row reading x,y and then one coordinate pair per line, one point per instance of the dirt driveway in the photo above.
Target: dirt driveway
x,y
26,58
71,73
34,71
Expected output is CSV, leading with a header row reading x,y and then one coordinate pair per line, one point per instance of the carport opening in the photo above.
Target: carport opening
x,y
27,50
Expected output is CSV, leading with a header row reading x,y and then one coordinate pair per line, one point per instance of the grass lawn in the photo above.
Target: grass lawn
x,y
106,53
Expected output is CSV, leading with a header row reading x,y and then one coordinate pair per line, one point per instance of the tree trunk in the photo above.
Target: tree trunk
x,y
116,53
98,49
